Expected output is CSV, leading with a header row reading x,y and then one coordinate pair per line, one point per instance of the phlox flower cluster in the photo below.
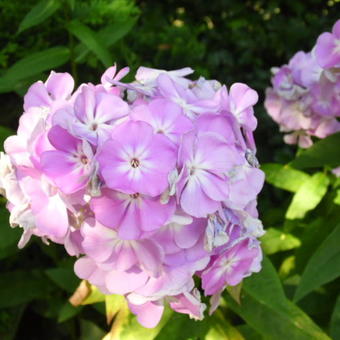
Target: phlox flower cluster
x,y
150,184
305,95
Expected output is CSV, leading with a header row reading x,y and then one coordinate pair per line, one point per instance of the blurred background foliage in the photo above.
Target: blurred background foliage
x,y
227,40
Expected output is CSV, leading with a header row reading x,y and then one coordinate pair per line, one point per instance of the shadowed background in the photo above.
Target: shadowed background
x,y
231,41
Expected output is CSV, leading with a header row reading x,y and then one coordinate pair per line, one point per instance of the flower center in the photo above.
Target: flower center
x,y
84,159
94,126
135,162
135,196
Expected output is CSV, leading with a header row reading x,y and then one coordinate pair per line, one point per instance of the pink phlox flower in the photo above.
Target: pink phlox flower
x,y
202,183
111,75
326,98
230,267
105,247
327,50
284,85
245,182
205,89
146,81
93,115
47,205
52,94
189,303
305,70
148,313
165,117
132,215
182,240
71,165
184,97
137,160
242,98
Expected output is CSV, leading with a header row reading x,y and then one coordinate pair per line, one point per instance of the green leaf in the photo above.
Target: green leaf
x,y
337,197
324,152
308,196
275,240
64,278
109,35
40,12
265,308
32,65
323,266
284,177
181,327
90,331
335,321
19,287
91,40
68,311
249,333
221,328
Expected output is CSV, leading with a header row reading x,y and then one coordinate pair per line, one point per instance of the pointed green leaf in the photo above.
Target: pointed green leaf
x,y
32,65
266,309
323,152
68,311
275,240
91,40
323,266
284,177
335,321
40,12
308,196
64,278
109,35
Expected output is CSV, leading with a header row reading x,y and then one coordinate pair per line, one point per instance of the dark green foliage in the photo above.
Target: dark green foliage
x,y
223,39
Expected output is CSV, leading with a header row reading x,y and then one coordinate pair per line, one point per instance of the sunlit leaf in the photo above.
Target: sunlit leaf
x,y
266,309
322,267
40,12
337,197
121,319
308,196
275,240
94,296
284,177
113,304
